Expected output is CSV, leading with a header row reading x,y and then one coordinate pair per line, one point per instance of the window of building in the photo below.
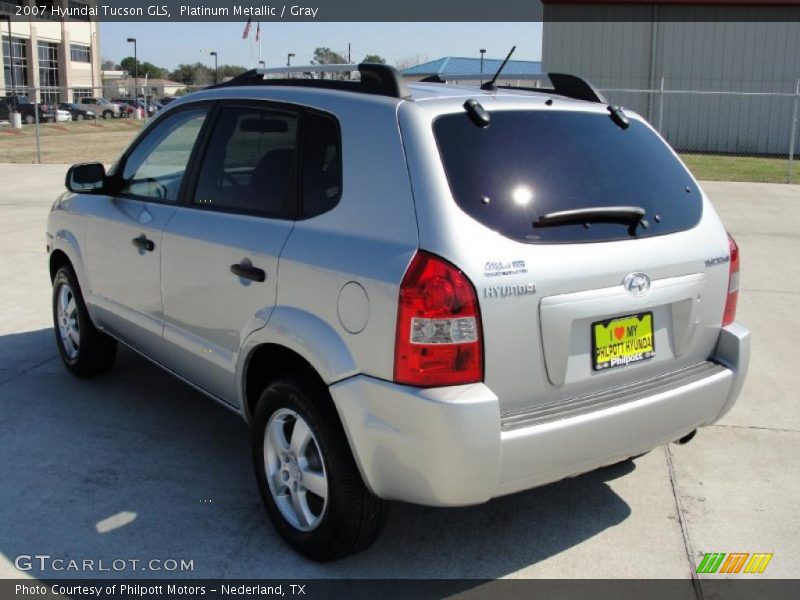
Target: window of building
x,y
20,51
78,93
9,7
76,7
46,10
249,165
48,72
80,53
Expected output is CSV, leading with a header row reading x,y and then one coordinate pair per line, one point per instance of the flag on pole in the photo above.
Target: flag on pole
x,y
258,32
246,31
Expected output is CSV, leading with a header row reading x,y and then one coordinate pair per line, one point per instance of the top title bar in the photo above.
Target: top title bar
x,y
404,10
265,11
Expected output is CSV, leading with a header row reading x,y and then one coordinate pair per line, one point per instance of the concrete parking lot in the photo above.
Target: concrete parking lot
x,y
136,465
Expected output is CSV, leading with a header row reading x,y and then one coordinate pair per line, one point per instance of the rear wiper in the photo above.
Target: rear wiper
x,y
631,215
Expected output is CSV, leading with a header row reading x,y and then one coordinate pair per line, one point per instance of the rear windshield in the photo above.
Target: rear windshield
x,y
527,164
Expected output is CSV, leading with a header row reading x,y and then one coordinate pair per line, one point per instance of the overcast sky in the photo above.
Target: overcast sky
x,y
169,44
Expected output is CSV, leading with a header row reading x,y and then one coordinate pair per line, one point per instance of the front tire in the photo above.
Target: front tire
x,y
107,114
84,349
306,474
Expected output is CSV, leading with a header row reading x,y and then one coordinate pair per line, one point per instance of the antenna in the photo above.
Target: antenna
x,y
489,85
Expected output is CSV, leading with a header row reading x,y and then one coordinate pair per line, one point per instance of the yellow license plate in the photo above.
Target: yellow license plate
x,y
622,341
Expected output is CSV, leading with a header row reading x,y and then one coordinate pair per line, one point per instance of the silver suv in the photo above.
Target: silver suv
x,y
426,293
102,106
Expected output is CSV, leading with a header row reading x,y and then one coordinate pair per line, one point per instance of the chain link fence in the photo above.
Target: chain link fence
x,y
750,136
718,128
70,125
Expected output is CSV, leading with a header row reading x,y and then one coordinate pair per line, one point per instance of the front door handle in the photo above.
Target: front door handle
x,y
249,272
142,243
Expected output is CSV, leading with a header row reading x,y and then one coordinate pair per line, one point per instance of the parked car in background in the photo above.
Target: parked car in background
x,y
27,109
103,107
150,106
77,113
62,115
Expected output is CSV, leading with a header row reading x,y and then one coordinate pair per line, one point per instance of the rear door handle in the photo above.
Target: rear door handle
x,y
249,272
142,243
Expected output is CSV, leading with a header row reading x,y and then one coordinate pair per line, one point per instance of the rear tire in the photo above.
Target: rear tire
x,y
84,349
306,473
107,114
79,117
30,119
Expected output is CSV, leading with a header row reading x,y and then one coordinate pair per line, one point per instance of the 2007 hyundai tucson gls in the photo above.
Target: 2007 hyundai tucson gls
x,y
425,292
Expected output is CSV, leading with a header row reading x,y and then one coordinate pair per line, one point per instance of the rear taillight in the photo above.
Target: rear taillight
x,y
733,284
438,326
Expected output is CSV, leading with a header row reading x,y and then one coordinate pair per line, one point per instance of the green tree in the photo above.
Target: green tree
x,y
193,75
326,56
230,71
374,59
145,68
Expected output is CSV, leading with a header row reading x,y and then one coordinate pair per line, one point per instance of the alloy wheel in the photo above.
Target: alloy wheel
x,y
295,470
68,325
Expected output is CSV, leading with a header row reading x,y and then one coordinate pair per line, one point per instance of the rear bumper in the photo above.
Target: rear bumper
x,y
450,446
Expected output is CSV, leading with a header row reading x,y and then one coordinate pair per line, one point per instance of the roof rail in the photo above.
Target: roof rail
x,y
569,86
381,80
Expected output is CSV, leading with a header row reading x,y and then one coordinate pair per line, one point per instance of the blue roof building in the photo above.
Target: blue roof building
x,y
452,68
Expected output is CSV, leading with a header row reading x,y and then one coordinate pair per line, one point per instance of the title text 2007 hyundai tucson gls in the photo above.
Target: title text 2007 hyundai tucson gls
x,y
417,292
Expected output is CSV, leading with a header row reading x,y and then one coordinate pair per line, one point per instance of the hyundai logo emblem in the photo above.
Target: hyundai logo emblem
x,y
636,283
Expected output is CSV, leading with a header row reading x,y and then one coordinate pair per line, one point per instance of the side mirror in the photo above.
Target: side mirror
x,y
86,178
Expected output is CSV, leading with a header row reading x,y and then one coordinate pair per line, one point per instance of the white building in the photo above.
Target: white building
x,y
58,58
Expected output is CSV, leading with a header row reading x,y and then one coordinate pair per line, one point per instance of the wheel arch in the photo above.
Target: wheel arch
x,y
65,249
58,258
294,341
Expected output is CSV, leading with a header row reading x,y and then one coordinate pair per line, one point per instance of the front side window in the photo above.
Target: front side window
x,y
250,162
155,168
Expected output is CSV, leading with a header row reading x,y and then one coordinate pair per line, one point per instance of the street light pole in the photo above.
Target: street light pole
x,y
135,68
216,69
289,61
482,51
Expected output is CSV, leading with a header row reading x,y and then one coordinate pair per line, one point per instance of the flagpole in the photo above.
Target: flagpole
x,y
259,43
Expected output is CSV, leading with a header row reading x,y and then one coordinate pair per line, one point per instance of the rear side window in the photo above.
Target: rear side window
x,y
322,164
530,163
250,163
